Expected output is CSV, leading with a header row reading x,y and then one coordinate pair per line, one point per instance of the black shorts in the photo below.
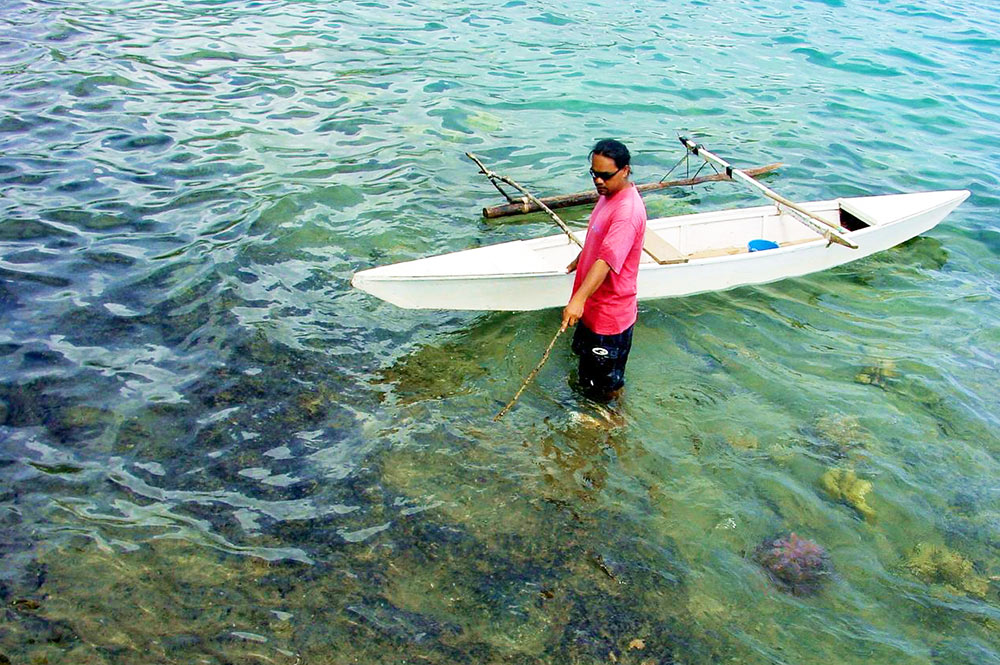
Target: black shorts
x,y
602,358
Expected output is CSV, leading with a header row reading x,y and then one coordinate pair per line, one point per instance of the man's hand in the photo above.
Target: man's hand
x,y
572,313
572,266
595,276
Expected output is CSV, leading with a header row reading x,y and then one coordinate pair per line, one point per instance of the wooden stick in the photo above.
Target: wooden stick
x,y
805,216
531,375
494,176
525,205
510,199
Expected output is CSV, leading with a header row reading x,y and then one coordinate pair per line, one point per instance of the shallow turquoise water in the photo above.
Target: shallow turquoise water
x,y
214,450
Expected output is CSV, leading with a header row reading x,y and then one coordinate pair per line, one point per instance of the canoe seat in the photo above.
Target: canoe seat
x,y
661,250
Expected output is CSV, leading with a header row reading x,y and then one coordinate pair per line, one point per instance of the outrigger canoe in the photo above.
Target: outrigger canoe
x,y
684,255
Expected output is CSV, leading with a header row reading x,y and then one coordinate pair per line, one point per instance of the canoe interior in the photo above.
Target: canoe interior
x,y
704,235
730,233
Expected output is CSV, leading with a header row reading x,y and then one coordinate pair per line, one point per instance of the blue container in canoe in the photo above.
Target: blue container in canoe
x,y
760,245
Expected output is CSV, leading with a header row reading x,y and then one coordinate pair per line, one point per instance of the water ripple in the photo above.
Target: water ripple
x,y
187,188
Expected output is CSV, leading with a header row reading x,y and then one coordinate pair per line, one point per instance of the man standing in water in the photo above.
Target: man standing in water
x,y
604,291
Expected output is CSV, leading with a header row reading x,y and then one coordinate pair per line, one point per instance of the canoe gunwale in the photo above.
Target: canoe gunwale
x,y
645,266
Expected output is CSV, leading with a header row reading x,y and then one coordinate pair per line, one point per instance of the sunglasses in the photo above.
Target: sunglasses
x,y
604,175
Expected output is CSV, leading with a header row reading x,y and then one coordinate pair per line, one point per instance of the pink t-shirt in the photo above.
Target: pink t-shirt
x,y
615,233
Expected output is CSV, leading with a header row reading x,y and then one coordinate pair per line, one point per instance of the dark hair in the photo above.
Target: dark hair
x,y
612,149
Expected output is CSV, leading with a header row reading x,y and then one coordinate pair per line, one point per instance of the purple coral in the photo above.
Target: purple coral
x,y
797,564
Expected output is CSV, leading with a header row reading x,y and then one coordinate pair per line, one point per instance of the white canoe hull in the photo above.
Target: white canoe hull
x,y
530,274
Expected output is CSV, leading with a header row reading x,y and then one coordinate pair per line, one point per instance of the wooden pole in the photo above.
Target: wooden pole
x,y
805,216
525,205
495,176
527,380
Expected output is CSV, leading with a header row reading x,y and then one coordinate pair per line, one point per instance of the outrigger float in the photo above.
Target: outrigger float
x,y
684,255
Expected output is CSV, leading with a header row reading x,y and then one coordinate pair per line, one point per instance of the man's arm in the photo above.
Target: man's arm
x,y
595,277
573,264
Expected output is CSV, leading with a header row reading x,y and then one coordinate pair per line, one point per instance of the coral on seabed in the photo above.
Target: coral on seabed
x,y
936,564
879,374
844,485
743,442
844,433
797,564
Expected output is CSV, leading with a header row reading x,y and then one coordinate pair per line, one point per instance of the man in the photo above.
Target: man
x,y
604,290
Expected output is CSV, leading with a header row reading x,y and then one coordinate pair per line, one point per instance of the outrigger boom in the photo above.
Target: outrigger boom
x,y
831,233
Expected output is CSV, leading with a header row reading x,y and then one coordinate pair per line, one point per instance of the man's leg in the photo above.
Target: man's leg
x,y
602,359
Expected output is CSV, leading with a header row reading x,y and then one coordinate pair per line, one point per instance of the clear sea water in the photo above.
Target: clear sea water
x,y
213,450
